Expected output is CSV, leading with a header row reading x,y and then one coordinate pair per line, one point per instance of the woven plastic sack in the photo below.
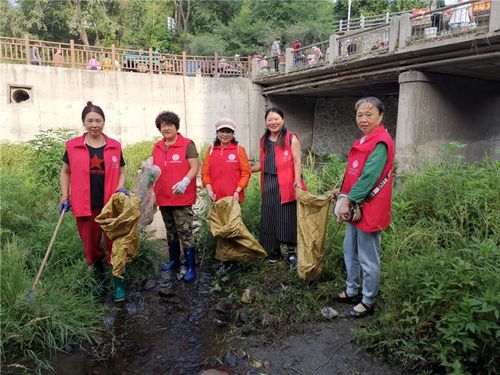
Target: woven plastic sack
x,y
119,219
234,241
312,224
146,178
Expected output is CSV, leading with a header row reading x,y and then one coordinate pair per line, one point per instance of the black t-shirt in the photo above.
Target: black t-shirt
x,y
97,172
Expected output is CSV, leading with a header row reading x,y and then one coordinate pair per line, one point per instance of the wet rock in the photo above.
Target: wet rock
x,y
108,322
267,320
224,306
192,340
255,342
150,284
142,351
231,359
131,308
166,293
244,316
329,313
70,348
247,329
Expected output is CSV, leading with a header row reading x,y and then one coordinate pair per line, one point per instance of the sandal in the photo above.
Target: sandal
x,y
369,310
346,298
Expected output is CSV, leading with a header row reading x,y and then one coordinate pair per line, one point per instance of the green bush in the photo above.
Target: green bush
x,y
48,147
134,156
64,307
440,301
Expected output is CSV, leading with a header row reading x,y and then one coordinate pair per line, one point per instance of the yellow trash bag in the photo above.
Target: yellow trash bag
x,y
312,223
119,219
234,240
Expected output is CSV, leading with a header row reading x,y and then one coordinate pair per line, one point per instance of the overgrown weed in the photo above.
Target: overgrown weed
x,y
64,308
439,306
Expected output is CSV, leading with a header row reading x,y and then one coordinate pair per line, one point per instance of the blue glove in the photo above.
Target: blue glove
x,y
64,205
124,191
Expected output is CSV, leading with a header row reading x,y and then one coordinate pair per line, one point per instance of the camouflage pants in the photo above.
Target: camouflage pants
x,y
179,224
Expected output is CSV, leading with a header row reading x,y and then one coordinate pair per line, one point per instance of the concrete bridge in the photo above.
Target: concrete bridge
x,y
437,89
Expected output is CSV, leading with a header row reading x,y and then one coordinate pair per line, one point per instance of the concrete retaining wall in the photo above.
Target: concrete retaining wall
x,y
335,126
130,101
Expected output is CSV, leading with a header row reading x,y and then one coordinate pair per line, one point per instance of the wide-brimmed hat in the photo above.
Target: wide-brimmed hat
x,y
225,123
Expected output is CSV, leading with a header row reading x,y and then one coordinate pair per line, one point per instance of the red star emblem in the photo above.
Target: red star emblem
x,y
95,162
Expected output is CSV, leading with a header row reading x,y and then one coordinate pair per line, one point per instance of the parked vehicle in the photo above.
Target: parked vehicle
x,y
139,61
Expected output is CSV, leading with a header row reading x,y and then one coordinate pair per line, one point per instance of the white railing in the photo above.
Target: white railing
x,y
365,21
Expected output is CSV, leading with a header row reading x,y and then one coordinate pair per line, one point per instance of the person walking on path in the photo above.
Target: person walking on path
x,y
35,55
275,51
58,59
368,183
93,169
281,173
175,190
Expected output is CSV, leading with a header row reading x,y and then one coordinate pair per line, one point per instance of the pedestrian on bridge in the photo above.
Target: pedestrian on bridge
x,y
175,190
93,169
281,173
367,184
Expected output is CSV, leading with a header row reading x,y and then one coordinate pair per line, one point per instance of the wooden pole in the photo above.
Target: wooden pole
x,y
27,47
151,63
113,56
72,52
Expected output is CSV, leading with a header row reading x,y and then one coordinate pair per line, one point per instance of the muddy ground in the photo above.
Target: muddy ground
x,y
170,327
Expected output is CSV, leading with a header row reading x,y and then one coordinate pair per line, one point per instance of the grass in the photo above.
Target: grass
x,y
439,306
438,311
64,308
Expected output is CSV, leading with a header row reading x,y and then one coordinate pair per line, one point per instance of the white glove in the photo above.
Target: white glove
x,y
181,186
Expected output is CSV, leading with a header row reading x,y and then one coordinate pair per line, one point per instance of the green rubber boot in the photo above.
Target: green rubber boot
x,y
118,289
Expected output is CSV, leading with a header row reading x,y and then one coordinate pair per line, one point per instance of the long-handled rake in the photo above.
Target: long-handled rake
x,y
44,261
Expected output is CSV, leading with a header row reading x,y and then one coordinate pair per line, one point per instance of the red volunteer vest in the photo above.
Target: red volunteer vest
x,y
376,212
284,166
225,170
79,164
174,167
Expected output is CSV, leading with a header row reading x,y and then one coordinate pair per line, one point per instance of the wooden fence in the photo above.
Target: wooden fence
x,y
78,56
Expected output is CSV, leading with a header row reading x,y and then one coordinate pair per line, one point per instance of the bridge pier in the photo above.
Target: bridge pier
x,y
435,109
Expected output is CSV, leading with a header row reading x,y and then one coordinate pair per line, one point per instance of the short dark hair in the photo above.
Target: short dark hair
x,y
92,108
167,117
376,102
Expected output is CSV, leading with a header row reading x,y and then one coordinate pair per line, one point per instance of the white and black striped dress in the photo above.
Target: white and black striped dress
x,y
278,222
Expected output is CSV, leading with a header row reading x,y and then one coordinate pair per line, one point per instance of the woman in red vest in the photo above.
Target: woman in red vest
x,y
281,173
226,171
367,183
93,169
175,190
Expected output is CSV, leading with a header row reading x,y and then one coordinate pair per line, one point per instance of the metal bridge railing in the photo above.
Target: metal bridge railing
x,y
460,18
373,41
365,21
